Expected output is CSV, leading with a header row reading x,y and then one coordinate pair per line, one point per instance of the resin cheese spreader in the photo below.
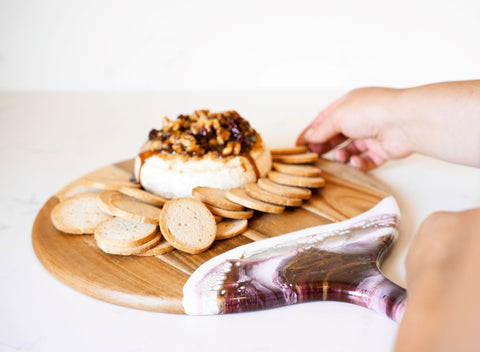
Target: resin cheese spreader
x,y
334,262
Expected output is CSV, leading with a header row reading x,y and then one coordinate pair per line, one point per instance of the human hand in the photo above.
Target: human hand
x,y
439,120
367,117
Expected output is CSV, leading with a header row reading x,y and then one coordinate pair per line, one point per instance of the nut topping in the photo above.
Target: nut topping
x,y
224,134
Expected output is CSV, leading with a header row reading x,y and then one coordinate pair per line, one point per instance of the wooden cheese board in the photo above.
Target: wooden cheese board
x,y
156,283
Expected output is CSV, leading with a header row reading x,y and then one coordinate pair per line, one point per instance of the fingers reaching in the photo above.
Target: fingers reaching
x,y
365,155
364,163
320,123
322,148
344,154
359,153
322,131
355,153
349,117
365,117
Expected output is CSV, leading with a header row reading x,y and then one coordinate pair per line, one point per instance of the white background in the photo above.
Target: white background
x,y
235,45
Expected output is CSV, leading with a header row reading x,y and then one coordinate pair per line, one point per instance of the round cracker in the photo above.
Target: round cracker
x,y
134,210
297,169
118,250
217,218
110,178
282,190
188,225
125,233
73,190
296,158
254,191
104,200
297,149
230,214
238,195
78,215
215,197
300,181
161,248
143,195
230,228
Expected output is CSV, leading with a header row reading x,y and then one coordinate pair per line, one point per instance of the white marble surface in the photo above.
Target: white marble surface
x,y
47,140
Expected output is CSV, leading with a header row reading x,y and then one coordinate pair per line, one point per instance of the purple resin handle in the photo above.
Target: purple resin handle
x,y
374,292
334,262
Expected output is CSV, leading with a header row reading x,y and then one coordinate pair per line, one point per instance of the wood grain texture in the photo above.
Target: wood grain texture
x,y
156,283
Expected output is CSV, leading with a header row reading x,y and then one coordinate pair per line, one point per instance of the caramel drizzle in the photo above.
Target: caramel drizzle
x,y
143,157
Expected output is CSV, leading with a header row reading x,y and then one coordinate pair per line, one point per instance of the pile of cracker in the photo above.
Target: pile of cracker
x,y
126,220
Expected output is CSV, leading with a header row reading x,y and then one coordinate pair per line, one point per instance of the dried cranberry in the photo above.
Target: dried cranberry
x,y
153,134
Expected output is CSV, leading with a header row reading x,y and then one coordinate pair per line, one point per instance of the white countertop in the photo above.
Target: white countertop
x,y
48,140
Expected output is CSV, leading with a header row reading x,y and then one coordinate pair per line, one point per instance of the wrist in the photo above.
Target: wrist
x,y
441,120
396,122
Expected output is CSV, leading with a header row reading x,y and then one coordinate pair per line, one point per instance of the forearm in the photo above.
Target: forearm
x,y
442,120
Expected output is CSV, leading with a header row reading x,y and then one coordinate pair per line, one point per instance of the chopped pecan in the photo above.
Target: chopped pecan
x,y
237,148
225,134
228,150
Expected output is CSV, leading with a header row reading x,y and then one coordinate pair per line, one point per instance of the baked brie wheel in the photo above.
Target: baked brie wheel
x,y
219,150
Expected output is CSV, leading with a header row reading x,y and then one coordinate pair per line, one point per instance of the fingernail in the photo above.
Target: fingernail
x,y
356,162
340,155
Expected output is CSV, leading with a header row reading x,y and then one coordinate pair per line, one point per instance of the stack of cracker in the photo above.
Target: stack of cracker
x,y
287,185
123,218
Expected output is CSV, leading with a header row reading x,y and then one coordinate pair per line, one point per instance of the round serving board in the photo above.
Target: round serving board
x,y
156,283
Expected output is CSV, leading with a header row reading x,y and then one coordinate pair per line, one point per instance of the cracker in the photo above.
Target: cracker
x,y
254,191
118,250
231,214
282,190
125,233
230,228
161,248
188,225
217,218
297,169
299,181
296,158
238,195
143,196
215,197
133,210
110,179
75,189
104,200
78,215
298,149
